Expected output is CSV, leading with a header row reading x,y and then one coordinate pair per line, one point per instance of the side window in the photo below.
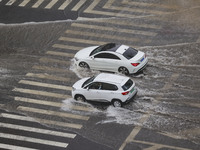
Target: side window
x,y
95,85
106,56
111,87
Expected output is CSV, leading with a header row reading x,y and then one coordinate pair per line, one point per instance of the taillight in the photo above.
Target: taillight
x,y
125,93
135,64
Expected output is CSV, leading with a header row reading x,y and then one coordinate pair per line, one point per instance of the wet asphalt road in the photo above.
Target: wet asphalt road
x,y
164,114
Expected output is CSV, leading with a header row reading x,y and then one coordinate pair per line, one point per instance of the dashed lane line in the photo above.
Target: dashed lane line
x,y
47,76
33,140
44,121
37,130
54,86
54,104
53,113
41,93
14,147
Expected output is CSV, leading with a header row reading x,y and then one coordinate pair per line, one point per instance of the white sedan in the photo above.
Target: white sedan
x,y
105,87
112,57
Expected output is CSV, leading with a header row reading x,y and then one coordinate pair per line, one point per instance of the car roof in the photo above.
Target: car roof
x,y
113,47
111,78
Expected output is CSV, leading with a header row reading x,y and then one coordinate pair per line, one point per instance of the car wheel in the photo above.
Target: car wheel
x,y
123,70
80,98
84,65
117,103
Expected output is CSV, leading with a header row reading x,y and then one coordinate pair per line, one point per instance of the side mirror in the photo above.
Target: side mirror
x,y
92,57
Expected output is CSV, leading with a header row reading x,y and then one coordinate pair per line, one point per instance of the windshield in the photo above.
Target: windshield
x,y
103,48
130,53
88,81
127,85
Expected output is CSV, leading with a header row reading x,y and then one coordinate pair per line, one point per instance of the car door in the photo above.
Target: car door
x,y
107,61
93,91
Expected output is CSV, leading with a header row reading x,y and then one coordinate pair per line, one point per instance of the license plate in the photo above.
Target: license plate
x,y
142,59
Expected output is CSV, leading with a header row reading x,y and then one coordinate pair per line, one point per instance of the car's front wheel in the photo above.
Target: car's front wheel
x,y
117,103
80,98
84,65
123,70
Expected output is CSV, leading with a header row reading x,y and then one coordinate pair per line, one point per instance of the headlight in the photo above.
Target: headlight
x,y
76,59
73,88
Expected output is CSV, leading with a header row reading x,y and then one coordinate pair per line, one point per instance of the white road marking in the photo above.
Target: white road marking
x,y
51,69
14,147
10,2
65,4
51,4
50,122
54,86
33,140
24,3
53,113
42,93
37,130
60,54
78,5
67,47
38,3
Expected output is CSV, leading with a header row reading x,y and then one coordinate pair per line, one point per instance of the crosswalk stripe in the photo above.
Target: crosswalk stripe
x,y
37,130
54,104
99,35
146,33
47,76
10,2
24,3
78,5
33,140
51,4
124,22
53,113
109,3
50,122
66,47
37,3
51,69
14,147
148,4
81,40
41,93
65,4
50,60
54,86
60,53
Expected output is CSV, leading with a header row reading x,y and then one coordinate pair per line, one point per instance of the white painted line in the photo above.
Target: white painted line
x,y
54,104
37,130
24,3
47,76
50,60
53,113
38,3
10,2
66,47
60,54
78,5
51,69
44,121
77,40
54,86
65,4
104,28
14,147
42,93
33,140
51,4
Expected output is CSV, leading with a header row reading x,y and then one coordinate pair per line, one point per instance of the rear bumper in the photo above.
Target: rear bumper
x,y
132,97
141,66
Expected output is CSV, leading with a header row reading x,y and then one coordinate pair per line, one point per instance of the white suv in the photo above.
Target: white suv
x,y
105,87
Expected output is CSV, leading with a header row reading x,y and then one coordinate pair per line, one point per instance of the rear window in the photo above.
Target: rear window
x,y
127,85
130,53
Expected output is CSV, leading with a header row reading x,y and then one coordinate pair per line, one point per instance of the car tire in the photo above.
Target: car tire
x,y
123,70
84,65
116,103
80,98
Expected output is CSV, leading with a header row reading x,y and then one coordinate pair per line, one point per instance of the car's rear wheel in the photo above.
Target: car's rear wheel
x,y
117,103
84,65
123,70
80,98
